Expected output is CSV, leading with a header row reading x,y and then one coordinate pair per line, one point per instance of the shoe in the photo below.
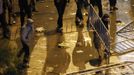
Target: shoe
x,y
25,65
106,54
14,22
115,8
79,23
34,11
59,30
98,72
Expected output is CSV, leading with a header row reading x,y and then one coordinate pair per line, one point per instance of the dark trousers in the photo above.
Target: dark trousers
x,y
80,4
60,6
11,14
24,10
112,3
98,3
4,25
26,52
32,4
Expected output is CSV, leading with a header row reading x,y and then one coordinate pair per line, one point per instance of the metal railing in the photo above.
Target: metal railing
x,y
114,67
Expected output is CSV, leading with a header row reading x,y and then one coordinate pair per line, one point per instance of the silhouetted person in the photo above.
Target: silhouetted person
x,y
98,3
60,6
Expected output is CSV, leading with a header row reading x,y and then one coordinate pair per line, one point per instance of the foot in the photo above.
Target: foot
x,y
59,30
79,23
34,10
115,8
22,66
14,22
106,54
25,65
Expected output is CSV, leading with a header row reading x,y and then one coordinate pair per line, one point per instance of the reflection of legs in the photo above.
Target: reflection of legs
x,y
19,54
24,10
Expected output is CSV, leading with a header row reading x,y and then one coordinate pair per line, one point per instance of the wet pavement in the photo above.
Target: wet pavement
x,y
59,54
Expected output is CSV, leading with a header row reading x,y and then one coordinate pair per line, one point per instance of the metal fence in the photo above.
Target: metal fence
x,y
127,31
125,68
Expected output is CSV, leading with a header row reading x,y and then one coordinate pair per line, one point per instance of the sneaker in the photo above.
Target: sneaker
x,y
14,22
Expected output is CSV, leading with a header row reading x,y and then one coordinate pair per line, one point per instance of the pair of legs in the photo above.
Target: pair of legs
x,y
98,3
80,5
60,6
25,50
24,10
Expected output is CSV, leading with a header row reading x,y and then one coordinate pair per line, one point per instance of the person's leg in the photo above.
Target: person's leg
x,y
9,15
79,8
99,4
57,5
33,5
61,13
93,2
22,12
27,9
26,53
114,5
79,16
6,32
60,9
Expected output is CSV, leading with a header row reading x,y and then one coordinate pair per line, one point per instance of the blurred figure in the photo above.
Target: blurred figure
x,y
25,9
60,6
98,3
6,32
113,5
101,36
79,15
26,36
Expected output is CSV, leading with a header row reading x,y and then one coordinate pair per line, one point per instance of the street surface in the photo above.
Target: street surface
x,y
60,54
